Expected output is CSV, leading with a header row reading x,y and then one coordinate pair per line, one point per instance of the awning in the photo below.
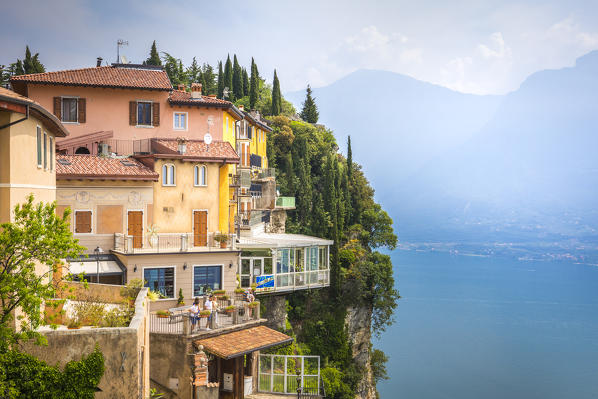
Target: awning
x,y
238,343
274,240
91,267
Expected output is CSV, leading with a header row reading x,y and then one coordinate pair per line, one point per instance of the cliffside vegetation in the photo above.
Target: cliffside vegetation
x,y
334,200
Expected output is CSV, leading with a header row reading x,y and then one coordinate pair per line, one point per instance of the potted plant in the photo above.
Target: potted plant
x,y
163,314
219,292
181,300
205,313
73,324
239,290
229,309
223,297
222,239
254,304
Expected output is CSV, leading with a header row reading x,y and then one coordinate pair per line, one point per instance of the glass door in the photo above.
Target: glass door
x,y
246,273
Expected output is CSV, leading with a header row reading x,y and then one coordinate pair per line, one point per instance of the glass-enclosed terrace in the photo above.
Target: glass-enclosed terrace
x,y
284,262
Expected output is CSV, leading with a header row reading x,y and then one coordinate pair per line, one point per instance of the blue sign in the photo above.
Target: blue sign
x,y
264,282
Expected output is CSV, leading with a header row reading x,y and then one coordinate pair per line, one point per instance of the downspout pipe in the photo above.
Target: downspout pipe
x,y
17,121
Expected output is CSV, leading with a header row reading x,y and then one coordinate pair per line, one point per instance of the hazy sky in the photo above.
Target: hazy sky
x,y
470,46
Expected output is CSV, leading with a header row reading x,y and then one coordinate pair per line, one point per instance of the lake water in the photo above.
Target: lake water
x,y
485,328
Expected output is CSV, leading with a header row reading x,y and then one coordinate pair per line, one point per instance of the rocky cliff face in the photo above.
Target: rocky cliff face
x,y
358,322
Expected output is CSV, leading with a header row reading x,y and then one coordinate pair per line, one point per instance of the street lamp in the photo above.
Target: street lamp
x,y
98,251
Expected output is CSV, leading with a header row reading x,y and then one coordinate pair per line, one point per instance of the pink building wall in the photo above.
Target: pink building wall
x,y
108,109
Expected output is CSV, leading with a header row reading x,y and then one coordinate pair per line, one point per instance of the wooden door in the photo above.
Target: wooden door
x,y
200,228
135,227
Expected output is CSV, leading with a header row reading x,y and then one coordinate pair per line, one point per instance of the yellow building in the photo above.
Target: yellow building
x,y
28,135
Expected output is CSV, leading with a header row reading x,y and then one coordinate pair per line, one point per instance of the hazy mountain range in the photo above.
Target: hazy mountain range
x,y
453,167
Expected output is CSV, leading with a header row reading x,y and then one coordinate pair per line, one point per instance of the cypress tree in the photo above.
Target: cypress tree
x,y
276,97
253,85
237,79
29,64
220,80
228,78
349,159
154,57
245,83
209,79
310,110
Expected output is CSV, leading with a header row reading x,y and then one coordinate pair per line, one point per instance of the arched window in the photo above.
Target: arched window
x,y
82,150
200,176
168,175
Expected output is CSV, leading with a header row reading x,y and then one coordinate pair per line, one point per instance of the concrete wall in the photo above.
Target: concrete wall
x,y
19,171
125,376
171,365
184,278
103,198
174,205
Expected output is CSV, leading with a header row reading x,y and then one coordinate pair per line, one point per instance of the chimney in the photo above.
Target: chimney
x,y
181,87
99,62
196,90
241,107
182,145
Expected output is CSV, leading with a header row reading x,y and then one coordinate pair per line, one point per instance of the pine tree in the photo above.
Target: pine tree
x,y
228,78
220,80
253,85
154,57
310,110
237,79
276,96
209,79
245,83
194,73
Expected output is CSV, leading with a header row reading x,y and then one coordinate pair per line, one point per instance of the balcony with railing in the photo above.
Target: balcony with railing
x,y
174,242
232,313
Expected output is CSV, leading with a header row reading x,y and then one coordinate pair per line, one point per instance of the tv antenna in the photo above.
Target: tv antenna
x,y
119,44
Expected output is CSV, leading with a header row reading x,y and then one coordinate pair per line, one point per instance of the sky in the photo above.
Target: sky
x,y
481,47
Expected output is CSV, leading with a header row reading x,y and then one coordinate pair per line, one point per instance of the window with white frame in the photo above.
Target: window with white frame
x,y
200,175
168,175
45,150
39,146
144,113
51,153
160,279
180,121
69,109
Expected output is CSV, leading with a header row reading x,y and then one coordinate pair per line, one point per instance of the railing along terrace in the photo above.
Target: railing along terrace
x,y
267,172
179,320
128,147
285,202
173,242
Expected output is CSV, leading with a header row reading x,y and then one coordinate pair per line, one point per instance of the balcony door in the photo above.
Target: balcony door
x,y
200,228
135,227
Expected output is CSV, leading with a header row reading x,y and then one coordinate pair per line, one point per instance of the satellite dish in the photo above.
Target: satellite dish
x,y
207,138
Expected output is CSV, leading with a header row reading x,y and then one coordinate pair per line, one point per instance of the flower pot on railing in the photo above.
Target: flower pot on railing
x,y
163,314
222,239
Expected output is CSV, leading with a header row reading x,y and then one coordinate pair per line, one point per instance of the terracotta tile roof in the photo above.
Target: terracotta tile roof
x,y
94,167
104,76
238,343
55,125
218,151
178,96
